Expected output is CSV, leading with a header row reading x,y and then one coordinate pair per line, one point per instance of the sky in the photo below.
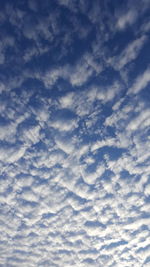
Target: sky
x,y
74,133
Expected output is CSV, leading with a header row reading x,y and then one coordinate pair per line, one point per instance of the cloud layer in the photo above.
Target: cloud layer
x,y
74,134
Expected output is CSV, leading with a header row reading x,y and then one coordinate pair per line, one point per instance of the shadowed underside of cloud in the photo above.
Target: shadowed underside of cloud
x,y
74,133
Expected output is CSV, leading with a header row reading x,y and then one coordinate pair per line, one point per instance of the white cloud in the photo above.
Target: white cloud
x,y
28,195
67,100
141,82
129,53
147,190
31,135
65,145
126,19
90,177
64,125
134,11
12,154
109,93
8,132
140,121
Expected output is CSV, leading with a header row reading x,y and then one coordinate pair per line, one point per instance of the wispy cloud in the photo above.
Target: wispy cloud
x,y
141,82
129,54
127,19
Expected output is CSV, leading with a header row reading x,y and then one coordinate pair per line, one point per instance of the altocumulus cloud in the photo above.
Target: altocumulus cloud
x,y
74,133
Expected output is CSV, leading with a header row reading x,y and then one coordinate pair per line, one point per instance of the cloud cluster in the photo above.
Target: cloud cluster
x,y
74,135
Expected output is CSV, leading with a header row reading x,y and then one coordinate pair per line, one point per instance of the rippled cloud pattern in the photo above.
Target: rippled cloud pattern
x,y
74,133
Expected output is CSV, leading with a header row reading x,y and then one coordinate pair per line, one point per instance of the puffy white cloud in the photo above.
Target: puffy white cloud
x,y
12,154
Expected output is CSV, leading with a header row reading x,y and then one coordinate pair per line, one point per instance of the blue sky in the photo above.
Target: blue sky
x,y
74,133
